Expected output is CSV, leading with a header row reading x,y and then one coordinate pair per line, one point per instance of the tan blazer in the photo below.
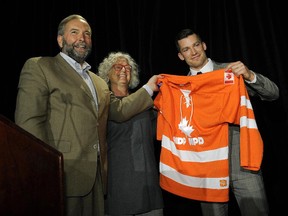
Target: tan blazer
x,y
55,104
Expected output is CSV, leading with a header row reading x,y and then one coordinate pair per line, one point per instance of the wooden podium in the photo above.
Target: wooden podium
x,y
31,174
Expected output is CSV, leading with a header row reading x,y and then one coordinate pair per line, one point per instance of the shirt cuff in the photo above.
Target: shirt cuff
x,y
254,80
148,89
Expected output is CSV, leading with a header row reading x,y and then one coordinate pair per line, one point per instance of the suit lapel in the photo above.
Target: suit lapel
x,y
70,72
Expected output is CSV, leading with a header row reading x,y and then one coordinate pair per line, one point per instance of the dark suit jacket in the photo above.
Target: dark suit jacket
x,y
263,87
55,104
266,90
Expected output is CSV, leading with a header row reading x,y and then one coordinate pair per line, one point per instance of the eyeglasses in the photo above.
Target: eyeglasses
x,y
119,67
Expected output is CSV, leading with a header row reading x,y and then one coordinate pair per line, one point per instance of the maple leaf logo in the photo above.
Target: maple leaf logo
x,y
185,128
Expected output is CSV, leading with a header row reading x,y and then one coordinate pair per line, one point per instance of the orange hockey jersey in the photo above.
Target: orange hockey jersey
x,y
193,117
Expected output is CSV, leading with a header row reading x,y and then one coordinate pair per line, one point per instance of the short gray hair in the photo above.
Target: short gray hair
x,y
107,63
62,24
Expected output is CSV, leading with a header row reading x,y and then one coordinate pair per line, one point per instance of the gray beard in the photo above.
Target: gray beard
x,y
78,58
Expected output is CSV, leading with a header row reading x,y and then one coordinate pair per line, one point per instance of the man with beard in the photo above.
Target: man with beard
x,y
63,103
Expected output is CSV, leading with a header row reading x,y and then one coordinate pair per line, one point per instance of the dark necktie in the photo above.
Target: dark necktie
x,y
199,72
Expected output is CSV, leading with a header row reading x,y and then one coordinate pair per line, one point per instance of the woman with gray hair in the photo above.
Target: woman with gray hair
x,y
133,177
110,61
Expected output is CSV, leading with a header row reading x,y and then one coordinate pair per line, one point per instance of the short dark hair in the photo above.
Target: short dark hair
x,y
183,34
